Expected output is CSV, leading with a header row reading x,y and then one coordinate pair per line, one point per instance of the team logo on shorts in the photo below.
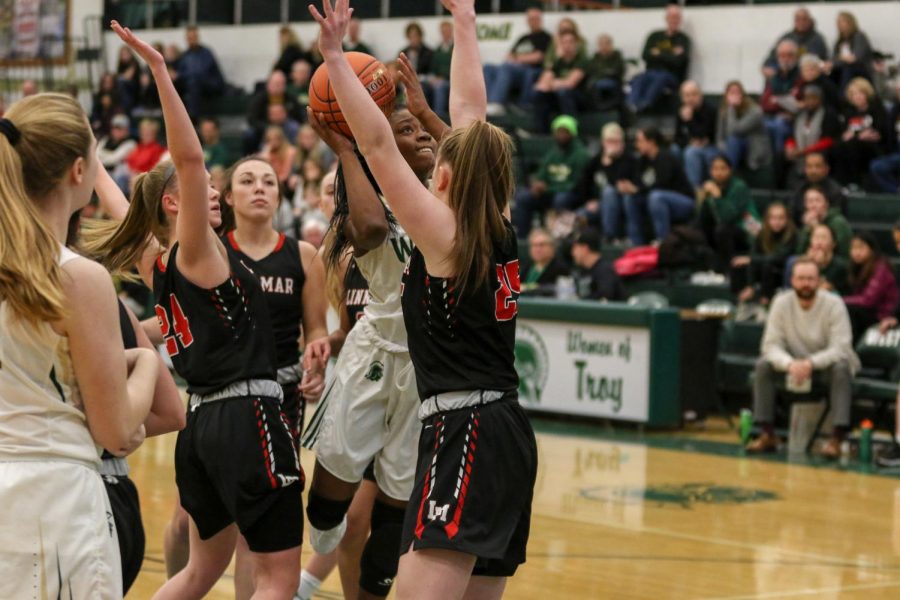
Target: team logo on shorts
x,y
375,372
532,363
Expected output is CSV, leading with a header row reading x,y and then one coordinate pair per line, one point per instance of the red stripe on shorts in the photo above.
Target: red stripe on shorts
x,y
465,472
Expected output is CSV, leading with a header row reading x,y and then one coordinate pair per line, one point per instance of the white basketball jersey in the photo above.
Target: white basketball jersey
x,y
41,413
383,269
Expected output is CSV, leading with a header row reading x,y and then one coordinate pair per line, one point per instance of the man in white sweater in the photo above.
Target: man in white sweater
x,y
807,338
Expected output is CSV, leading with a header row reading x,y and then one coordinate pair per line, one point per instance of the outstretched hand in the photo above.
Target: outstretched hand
x,y
147,52
337,142
415,96
333,26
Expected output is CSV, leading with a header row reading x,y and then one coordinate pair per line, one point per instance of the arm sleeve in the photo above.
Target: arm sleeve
x,y
877,287
774,348
840,338
752,119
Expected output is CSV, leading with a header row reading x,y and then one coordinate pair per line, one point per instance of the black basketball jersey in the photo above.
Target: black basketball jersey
x,y
129,340
463,343
356,292
281,277
214,336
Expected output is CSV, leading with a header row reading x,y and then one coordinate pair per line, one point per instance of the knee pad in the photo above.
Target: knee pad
x,y
325,514
378,565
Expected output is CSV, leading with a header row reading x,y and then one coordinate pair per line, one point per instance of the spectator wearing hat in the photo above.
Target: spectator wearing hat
x,y
554,183
601,184
113,150
596,279
561,86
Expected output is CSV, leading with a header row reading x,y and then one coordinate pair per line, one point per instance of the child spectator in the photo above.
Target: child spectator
x,y
819,212
760,273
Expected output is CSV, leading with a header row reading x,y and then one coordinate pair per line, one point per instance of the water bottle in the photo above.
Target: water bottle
x,y
565,288
746,425
865,442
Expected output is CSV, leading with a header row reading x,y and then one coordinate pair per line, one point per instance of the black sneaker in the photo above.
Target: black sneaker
x,y
889,458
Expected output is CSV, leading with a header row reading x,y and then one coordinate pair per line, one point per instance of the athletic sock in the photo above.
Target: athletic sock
x,y
309,585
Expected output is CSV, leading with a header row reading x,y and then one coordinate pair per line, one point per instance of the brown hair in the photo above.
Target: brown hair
x,y
851,20
292,39
54,132
746,101
119,246
228,219
859,274
480,157
767,240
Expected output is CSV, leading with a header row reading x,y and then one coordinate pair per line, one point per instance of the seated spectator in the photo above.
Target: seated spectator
x,y
662,183
313,231
278,116
759,274
833,268
865,133
779,100
667,55
601,184
819,212
291,51
812,73
741,133
416,51
561,86
807,339
596,279
114,149
816,127
128,71
298,87
311,146
804,34
727,214
695,133
258,110
546,266
522,67
605,73
438,78
105,105
146,100
565,25
278,151
148,151
307,182
215,153
198,74
816,172
852,53
354,43
554,183
886,169
873,289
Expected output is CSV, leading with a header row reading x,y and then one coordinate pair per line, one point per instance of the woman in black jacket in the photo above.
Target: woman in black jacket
x,y
865,133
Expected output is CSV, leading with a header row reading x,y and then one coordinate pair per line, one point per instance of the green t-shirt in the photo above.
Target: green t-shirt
x,y
440,61
216,154
562,67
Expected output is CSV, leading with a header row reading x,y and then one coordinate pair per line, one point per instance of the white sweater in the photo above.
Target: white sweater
x,y
822,333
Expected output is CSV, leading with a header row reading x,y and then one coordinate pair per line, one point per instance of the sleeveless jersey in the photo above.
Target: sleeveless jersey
x,y
214,336
129,340
383,269
41,411
463,343
281,277
356,292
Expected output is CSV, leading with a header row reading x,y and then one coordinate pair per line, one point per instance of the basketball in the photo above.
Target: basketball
x,y
373,75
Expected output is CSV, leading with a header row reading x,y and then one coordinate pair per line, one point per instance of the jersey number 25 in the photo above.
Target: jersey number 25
x,y
182,329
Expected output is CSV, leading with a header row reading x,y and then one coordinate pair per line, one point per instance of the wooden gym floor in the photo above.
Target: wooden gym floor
x,y
659,516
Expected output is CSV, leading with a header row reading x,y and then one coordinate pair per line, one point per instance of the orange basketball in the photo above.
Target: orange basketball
x,y
373,75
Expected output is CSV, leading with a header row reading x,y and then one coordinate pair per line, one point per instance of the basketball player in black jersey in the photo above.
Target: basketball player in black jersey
x,y
467,527
235,461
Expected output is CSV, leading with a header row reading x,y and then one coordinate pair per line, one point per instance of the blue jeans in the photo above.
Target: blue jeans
x,y
527,204
613,204
441,97
735,150
886,172
780,129
647,87
667,207
500,80
696,163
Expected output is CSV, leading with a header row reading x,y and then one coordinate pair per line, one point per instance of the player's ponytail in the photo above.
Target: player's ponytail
x,y
120,246
480,158
50,132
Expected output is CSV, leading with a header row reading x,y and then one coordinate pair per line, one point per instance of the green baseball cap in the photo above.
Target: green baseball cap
x,y
565,122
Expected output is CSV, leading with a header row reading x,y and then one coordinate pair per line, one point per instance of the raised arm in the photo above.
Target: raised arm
x,y
468,95
201,257
416,103
111,199
428,221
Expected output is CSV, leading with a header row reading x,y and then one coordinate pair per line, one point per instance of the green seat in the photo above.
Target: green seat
x,y
739,344
590,123
531,149
880,353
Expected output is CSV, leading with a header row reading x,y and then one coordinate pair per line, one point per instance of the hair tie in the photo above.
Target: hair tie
x,y
11,132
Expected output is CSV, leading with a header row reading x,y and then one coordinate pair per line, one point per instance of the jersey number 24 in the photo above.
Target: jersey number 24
x,y
507,294
181,329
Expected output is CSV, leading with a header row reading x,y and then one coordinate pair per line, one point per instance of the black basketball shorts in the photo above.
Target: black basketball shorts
x,y
235,462
474,484
126,510
294,408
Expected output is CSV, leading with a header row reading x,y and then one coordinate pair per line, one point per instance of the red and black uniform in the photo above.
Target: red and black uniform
x,y
356,292
477,454
281,277
234,460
